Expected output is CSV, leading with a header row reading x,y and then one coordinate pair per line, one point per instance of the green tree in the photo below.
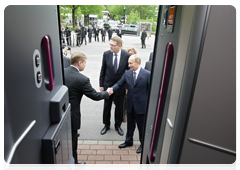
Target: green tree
x,y
132,17
116,11
73,9
144,11
91,9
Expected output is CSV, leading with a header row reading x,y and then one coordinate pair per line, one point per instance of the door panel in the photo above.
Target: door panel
x,y
24,29
213,112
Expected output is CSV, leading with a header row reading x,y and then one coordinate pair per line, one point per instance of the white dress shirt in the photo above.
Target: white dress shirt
x,y
137,72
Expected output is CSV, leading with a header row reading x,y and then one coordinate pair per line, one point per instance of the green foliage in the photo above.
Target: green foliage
x,y
78,10
132,17
116,11
144,12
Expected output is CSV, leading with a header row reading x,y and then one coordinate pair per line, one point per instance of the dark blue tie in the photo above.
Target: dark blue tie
x,y
115,63
134,77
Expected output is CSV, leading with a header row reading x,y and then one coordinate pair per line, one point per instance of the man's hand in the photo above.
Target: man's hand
x,y
65,49
101,89
110,91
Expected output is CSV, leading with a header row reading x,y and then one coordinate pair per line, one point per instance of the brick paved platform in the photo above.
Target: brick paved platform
x,y
107,152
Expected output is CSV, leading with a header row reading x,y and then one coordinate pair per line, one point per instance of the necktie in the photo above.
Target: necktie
x,y
134,77
115,63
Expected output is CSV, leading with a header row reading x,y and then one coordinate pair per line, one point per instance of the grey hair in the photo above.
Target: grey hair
x,y
136,58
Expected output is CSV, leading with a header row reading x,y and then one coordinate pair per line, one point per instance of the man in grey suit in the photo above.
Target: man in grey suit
x,y
148,65
137,81
78,84
114,64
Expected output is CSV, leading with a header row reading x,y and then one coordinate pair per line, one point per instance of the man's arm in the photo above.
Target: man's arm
x,y
120,83
91,93
102,74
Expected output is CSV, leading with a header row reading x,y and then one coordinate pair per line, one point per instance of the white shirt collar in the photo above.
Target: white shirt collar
x,y
137,71
75,67
119,53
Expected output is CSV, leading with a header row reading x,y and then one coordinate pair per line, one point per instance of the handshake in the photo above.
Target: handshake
x,y
109,90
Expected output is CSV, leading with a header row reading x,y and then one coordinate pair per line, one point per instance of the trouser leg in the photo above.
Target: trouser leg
x,y
74,145
118,101
107,111
131,124
140,124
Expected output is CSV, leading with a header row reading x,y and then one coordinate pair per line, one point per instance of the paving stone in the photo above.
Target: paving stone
x,y
128,158
95,158
112,157
104,152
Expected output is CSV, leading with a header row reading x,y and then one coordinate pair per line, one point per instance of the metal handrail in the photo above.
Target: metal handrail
x,y
19,141
212,146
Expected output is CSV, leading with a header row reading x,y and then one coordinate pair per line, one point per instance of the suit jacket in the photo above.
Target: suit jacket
x,y
68,32
96,31
90,30
138,93
151,56
110,32
78,32
118,33
107,75
148,65
78,84
66,62
84,31
103,32
144,35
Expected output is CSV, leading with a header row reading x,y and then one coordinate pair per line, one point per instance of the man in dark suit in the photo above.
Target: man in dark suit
x,y
78,84
137,81
94,30
68,35
110,32
96,34
119,32
114,64
103,32
90,30
143,37
78,32
84,33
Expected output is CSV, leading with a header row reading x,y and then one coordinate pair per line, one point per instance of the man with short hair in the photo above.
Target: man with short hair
x,y
137,81
103,32
143,37
119,32
114,64
79,85
78,32
90,30
110,32
68,35
84,33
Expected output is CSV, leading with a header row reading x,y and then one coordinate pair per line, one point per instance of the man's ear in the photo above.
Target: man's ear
x,y
79,62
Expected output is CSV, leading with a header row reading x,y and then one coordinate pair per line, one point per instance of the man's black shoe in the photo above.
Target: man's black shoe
x,y
80,166
119,130
124,145
139,150
104,130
